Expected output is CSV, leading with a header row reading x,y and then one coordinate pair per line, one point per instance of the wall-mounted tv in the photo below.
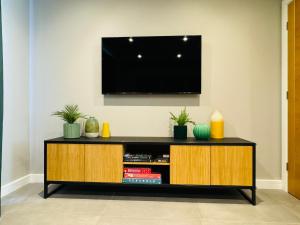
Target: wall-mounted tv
x,y
151,65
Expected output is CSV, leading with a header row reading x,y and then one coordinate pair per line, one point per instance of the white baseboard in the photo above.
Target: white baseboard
x,y
39,178
36,178
269,184
14,185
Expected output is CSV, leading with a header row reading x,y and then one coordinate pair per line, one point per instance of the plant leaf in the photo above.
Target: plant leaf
x,y
182,119
70,114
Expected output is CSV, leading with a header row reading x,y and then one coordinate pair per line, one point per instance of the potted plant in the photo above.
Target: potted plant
x,y
180,130
70,115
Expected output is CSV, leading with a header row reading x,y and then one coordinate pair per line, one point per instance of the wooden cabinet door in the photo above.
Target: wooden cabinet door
x,y
294,98
190,165
65,162
104,163
231,165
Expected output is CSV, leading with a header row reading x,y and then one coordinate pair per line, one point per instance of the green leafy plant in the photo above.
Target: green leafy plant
x,y
182,119
70,114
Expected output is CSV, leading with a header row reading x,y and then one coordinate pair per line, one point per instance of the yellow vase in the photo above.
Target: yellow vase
x,y
105,130
217,125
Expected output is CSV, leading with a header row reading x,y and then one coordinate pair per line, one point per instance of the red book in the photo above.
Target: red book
x,y
143,175
137,170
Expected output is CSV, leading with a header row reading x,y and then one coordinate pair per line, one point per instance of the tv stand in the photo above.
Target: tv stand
x,y
225,163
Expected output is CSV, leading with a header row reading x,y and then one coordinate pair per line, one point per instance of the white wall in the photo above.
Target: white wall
x,y
15,153
241,68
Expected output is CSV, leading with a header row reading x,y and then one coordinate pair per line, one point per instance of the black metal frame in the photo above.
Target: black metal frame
x,y
251,199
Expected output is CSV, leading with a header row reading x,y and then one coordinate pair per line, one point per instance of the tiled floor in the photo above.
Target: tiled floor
x,y
91,206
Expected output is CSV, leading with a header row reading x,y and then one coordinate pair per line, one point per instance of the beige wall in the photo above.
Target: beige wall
x,y
241,68
15,29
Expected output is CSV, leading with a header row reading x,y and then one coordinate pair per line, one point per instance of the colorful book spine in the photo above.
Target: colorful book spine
x,y
137,170
141,181
143,175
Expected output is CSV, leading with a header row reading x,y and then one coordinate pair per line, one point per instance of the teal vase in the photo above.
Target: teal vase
x,y
71,130
92,127
201,132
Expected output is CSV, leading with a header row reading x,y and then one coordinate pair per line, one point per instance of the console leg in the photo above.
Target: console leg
x,y
53,189
251,199
45,190
253,190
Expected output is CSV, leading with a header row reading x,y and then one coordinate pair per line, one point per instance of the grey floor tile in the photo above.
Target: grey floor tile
x,y
153,221
20,218
151,209
278,213
76,206
230,212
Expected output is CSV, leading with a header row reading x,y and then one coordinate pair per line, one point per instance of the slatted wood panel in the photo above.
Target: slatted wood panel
x,y
104,163
231,165
294,98
65,162
190,165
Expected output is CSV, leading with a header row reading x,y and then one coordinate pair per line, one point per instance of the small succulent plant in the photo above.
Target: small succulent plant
x,y
182,119
69,114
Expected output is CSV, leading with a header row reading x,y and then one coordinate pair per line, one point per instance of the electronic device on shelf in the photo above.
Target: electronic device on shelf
x,y
128,157
165,158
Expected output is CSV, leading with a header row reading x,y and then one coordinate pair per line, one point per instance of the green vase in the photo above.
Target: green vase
x,y
71,130
180,132
201,132
92,128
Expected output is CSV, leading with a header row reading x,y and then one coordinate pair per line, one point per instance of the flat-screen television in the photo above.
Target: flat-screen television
x,y
151,65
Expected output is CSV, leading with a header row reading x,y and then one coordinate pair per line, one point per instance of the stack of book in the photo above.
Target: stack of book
x,y
141,176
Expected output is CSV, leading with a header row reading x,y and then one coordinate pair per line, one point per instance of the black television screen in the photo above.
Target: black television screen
x,y
151,65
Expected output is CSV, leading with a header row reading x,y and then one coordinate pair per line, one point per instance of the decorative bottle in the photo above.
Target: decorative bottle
x,y
217,125
92,128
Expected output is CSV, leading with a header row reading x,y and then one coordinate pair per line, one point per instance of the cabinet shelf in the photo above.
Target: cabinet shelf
x,y
147,163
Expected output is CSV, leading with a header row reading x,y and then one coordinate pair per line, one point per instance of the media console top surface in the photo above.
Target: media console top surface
x,y
151,140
